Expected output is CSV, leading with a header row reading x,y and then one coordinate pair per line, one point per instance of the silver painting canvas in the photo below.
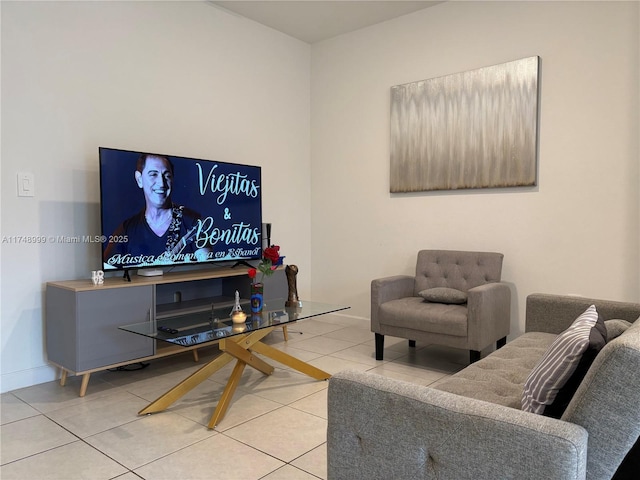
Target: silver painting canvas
x,y
476,129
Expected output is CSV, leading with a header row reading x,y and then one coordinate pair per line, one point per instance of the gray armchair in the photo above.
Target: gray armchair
x,y
455,299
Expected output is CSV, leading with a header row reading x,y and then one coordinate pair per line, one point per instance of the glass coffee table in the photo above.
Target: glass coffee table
x,y
237,341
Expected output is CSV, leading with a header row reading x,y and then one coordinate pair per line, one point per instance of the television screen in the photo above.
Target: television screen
x,y
159,210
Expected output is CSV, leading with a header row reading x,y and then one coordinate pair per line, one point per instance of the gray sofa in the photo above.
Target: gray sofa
x,y
472,426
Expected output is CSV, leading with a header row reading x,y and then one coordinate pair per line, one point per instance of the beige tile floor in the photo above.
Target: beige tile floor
x,y
275,428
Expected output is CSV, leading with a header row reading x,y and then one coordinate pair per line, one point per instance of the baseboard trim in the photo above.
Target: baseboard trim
x,y
27,378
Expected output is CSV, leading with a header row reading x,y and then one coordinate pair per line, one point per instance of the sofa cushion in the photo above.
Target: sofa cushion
x,y
559,363
416,314
444,295
499,378
616,327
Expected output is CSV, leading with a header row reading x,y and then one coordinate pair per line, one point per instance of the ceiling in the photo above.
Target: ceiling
x,y
313,21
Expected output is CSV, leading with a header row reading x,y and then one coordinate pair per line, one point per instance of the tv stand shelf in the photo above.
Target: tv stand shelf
x,y
191,306
82,319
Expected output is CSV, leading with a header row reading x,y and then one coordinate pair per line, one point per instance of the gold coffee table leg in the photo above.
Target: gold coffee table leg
x,y
242,349
240,343
227,394
187,384
288,360
246,356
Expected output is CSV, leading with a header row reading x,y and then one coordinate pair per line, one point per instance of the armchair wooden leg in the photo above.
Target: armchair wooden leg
x,y
474,356
379,346
412,343
501,343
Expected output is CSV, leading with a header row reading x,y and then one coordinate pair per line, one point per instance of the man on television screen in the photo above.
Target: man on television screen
x,y
162,232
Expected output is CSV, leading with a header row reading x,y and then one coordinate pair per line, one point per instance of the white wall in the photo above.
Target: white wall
x,y
182,78
577,232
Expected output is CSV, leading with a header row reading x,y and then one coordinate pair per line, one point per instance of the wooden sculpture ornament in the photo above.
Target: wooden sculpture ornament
x,y
291,271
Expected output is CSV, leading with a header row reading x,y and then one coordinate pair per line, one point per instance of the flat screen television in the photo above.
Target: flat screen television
x,y
163,210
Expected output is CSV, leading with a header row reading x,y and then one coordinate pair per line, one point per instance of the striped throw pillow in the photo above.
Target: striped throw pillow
x,y
558,363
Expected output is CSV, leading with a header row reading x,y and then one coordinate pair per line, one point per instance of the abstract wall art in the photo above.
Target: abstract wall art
x,y
476,129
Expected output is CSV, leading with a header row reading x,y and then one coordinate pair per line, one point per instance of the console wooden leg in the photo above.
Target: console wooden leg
x,y
195,355
285,333
63,378
84,384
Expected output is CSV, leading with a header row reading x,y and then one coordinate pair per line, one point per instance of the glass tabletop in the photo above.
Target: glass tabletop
x,y
194,328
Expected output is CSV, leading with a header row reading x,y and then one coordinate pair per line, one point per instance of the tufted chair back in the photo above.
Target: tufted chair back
x,y
454,269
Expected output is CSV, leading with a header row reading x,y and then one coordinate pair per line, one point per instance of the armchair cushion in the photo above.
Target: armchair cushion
x,y
415,314
561,360
444,295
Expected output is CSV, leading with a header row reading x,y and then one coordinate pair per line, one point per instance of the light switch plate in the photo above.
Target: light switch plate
x,y
26,184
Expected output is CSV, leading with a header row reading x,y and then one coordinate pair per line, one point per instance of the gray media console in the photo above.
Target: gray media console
x,y
82,319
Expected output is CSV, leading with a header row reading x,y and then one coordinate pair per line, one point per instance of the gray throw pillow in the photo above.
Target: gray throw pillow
x,y
597,340
616,327
444,295
558,363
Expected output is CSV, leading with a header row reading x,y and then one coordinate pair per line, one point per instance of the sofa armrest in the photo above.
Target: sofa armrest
x,y
388,288
489,314
381,428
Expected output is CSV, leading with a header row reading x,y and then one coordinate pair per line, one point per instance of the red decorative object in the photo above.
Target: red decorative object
x,y
271,259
